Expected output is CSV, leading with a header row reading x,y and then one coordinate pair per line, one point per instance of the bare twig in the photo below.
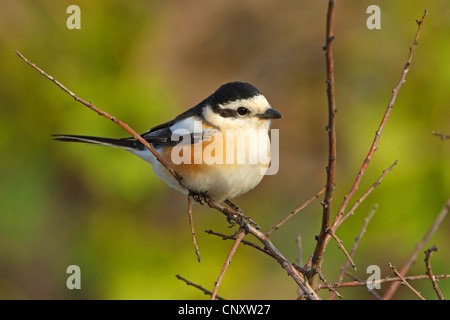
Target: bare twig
x,y
239,238
234,215
324,237
360,283
365,194
391,290
331,127
106,115
374,145
298,240
205,291
361,233
404,282
341,246
355,245
290,215
371,291
293,272
361,199
430,271
386,115
317,257
191,224
332,289
248,243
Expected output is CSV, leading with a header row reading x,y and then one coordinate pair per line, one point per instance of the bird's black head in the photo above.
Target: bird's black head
x,y
233,91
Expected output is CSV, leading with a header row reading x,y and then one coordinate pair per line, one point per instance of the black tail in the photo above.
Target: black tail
x,y
118,143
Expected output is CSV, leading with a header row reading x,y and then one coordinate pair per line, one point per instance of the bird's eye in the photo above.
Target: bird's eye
x,y
242,111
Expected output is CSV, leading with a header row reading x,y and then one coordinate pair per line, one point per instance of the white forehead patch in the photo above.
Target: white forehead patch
x,y
256,104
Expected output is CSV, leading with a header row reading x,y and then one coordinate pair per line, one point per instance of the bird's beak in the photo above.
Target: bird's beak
x,y
270,114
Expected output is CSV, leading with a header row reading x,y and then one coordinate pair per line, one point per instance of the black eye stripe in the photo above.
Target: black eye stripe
x,y
227,113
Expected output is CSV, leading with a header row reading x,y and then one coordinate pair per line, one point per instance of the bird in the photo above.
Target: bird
x,y
202,144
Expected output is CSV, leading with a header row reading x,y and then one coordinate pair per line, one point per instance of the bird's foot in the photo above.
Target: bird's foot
x,y
241,218
199,197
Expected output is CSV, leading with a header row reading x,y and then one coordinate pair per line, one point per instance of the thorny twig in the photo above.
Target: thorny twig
x,y
106,115
391,290
332,289
441,135
293,272
430,271
371,291
341,246
227,263
374,145
233,237
355,245
406,283
324,237
299,209
317,257
366,193
205,291
191,224
360,283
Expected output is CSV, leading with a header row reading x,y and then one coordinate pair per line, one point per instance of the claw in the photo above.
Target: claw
x,y
199,197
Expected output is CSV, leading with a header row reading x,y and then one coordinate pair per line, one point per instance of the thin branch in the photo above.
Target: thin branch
x,y
391,290
324,237
233,215
361,233
361,199
430,271
371,291
106,115
406,283
441,135
290,215
248,243
191,224
205,291
298,240
355,246
317,257
239,238
332,289
361,283
365,194
294,273
341,246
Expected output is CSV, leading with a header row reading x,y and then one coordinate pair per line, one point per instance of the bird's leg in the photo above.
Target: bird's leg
x,y
241,215
243,225
233,206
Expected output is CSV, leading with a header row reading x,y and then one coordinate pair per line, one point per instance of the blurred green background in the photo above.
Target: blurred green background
x,y
145,62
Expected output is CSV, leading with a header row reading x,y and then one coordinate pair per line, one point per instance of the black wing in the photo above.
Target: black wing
x,y
161,135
